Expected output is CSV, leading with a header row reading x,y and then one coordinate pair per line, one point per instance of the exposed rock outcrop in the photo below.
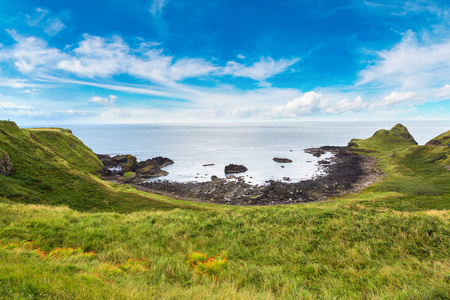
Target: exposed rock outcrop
x,y
6,166
118,165
130,165
159,162
282,160
317,152
232,168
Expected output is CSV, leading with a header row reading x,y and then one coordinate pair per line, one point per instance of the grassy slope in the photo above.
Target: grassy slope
x,y
442,139
384,243
54,167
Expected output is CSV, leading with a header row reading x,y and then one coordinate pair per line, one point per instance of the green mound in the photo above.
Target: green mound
x,y
441,140
51,166
398,137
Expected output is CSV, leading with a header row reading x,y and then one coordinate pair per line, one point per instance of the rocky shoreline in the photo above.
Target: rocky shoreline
x,y
346,172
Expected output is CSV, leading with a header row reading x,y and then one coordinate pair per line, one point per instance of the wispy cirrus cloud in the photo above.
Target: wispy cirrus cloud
x,y
157,7
261,70
101,57
415,62
42,18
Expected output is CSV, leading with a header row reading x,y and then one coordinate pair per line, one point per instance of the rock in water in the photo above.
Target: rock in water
x,y
5,164
282,160
159,161
232,168
317,152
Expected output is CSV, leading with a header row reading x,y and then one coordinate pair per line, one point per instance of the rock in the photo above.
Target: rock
x,y
282,160
130,165
5,164
231,177
315,151
208,165
232,168
324,162
152,171
286,179
120,159
159,161
214,177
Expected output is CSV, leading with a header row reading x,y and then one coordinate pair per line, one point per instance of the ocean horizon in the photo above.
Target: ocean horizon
x,y
254,145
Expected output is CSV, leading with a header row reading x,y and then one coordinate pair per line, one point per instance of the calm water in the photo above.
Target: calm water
x,y
253,145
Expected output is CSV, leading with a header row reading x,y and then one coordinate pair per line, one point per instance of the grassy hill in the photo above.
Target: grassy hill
x,y
388,242
51,166
441,140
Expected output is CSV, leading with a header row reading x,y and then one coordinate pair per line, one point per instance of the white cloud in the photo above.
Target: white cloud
x,y
265,68
35,20
9,105
14,83
190,67
96,56
157,7
51,26
30,53
106,57
413,63
312,102
345,105
54,26
110,101
443,91
395,98
304,105
240,56
9,109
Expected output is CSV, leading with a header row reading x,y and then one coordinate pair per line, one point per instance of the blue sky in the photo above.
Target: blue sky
x,y
67,62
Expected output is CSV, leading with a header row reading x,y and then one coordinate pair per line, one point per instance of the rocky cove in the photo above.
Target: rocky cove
x,y
345,172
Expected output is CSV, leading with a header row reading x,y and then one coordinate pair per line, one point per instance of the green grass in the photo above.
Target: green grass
x,y
129,174
442,139
53,167
387,242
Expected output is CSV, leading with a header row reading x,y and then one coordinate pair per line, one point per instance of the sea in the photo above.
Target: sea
x,y
254,145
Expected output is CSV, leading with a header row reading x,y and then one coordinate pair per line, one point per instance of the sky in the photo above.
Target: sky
x,y
175,61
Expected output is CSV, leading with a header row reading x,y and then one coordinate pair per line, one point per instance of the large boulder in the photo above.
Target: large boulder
x,y
5,163
159,161
232,168
130,165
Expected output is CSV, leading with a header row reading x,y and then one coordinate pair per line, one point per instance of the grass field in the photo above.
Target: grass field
x,y
389,242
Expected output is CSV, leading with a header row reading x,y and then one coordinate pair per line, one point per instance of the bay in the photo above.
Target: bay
x,y
254,145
